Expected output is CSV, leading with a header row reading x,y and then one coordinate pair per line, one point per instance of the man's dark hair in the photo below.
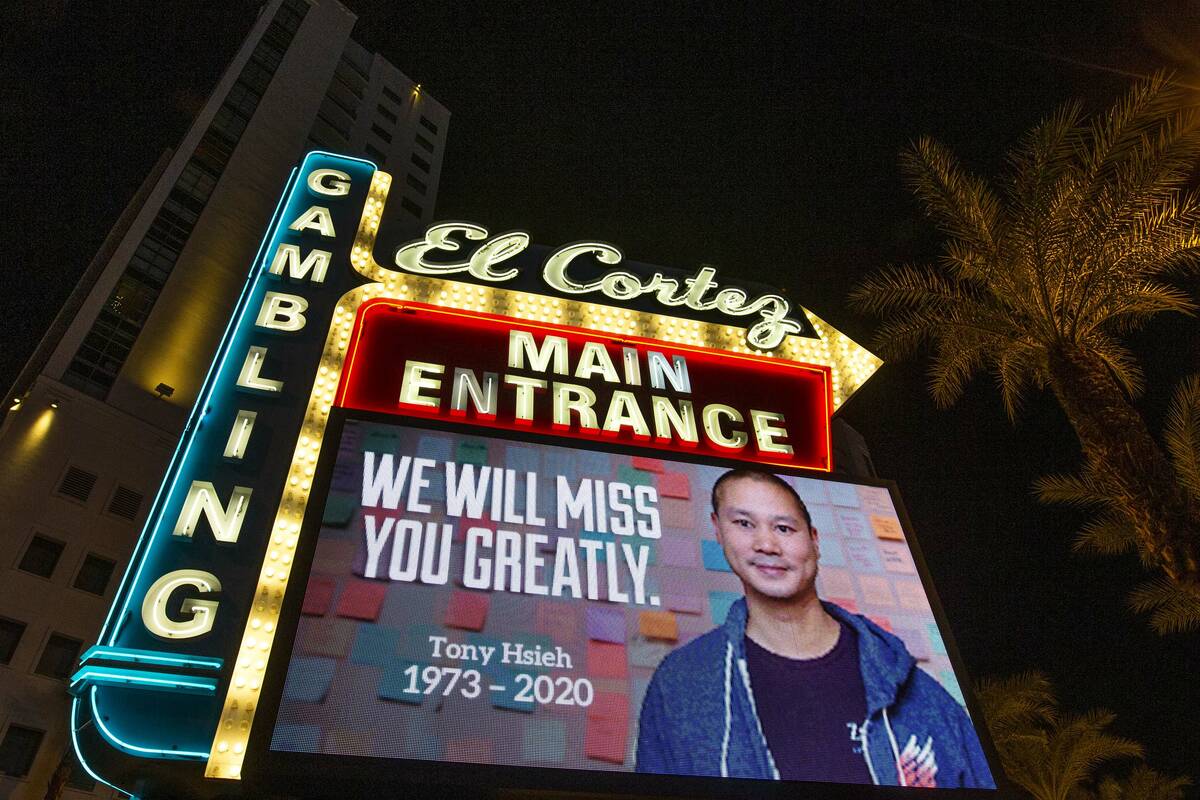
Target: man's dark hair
x,y
746,473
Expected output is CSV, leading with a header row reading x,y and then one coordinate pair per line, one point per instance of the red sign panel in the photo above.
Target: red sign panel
x,y
498,372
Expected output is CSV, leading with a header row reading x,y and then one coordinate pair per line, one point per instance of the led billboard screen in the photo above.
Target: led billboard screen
x,y
483,600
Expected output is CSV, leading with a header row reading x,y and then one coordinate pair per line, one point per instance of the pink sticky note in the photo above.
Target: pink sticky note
x,y
677,513
876,590
685,603
875,500
848,603
678,552
465,524
559,621
318,596
896,558
674,484
851,522
362,600
647,464
915,641
835,582
467,610
471,751
911,595
606,660
607,728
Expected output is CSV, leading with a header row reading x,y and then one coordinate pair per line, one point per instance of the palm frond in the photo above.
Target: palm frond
x,y
1181,430
1174,607
1110,534
1084,491
1119,361
959,203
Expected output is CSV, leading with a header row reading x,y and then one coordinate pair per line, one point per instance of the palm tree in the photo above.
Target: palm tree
x,y
1174,606
1143,783
1051,755
1041,276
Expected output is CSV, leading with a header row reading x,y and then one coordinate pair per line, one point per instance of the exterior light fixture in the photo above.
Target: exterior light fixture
x,y
54,404
164,390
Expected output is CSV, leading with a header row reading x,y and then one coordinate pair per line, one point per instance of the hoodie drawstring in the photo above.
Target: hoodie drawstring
x,y
728,713
862,732
895,749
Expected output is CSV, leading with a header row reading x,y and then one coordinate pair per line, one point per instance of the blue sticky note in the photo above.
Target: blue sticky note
x,y
375,645
842,494
823,518
308,679
634,477
393,683
381,441
950,684
560,462
713,556
435,447
544,740
500,683
435,491
720,602
296,738
935,638
522,459
598,537
339,509
591,462
811,491
831,553
472,451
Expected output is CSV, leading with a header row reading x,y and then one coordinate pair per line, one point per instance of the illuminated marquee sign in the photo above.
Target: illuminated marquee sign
x,y
186,681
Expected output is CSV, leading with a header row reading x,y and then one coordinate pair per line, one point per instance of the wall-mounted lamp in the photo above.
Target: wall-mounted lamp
x,y
54,404
16,403
164,390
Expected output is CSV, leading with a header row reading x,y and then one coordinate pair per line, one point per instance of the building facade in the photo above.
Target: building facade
x,y
94,417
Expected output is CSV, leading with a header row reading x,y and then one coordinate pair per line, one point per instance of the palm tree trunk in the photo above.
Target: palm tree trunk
x,y
1117,444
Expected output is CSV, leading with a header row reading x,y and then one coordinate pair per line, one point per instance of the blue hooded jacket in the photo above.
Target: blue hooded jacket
x,y
699,717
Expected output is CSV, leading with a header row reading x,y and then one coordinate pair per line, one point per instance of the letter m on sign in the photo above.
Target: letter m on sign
x,y
287,261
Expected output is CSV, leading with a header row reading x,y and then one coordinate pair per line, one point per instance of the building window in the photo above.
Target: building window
x,y
18,750
375,153
388,114
58,659
125,503
11,632
420,162
416,183
429,126
41,557
425,143
411,207
94,574
77,483
395,98
380,132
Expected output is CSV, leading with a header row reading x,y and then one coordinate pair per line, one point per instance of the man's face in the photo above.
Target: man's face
x,y
766,540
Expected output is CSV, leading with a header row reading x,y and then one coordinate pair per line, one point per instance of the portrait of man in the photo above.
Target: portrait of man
x,y
791,687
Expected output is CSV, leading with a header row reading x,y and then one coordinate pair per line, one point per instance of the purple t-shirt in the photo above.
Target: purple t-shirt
x,y
811,711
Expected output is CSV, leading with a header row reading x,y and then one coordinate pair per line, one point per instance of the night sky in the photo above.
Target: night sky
x,y
766,146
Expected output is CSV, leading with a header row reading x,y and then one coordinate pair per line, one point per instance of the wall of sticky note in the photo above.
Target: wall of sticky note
x,y
361,641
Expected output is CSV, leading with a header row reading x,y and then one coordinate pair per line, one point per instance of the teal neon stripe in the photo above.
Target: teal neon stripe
x,y
134,656
79,753
134,679
134,749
